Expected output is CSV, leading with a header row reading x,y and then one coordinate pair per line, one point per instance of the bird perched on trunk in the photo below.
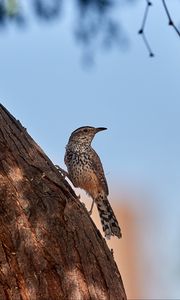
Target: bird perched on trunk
x,y
85,171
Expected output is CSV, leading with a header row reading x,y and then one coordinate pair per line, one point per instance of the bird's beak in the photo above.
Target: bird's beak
x,y
100,129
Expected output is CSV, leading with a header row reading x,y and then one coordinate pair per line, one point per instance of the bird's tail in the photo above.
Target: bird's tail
x,y
108,220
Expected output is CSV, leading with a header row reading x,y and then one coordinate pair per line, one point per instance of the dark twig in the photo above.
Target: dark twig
x,y
147,45
142,29
171,23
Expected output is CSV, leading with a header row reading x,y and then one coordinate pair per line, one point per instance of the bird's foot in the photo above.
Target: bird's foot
x,y
90,212
79,197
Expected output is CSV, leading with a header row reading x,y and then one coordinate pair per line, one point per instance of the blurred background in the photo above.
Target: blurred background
x,y
65,64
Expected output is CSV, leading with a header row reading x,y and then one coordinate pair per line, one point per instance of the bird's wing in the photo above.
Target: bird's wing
x,y
98,169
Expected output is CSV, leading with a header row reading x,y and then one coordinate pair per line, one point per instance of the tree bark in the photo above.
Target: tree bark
x,y
49,246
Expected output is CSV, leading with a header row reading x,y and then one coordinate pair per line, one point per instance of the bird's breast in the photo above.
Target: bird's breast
x,y
81,173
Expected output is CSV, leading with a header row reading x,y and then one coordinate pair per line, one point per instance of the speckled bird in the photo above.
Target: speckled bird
x,y
85,171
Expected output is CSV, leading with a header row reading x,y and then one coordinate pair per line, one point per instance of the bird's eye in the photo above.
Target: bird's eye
x,y
85,130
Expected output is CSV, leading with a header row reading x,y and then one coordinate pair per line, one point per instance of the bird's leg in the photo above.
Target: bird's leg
x,y
92,205
63,172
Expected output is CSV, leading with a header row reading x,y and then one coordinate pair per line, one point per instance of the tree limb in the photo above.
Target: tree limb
x,y
49,246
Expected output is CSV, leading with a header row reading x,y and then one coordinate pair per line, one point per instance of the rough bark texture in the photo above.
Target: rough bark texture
x,y
49,246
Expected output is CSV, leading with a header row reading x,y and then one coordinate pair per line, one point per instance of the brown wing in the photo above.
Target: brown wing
x,y
98,169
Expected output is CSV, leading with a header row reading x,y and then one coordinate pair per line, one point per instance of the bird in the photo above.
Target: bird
x,y
85,171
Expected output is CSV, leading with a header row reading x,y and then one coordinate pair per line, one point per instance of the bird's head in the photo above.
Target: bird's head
x,y
85,134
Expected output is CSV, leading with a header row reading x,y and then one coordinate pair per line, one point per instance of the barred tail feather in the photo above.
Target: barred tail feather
x,y
108,220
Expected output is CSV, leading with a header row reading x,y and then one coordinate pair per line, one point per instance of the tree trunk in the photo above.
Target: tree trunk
x,y
49,246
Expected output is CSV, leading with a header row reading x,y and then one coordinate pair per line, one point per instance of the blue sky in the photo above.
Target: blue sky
x,y
47,87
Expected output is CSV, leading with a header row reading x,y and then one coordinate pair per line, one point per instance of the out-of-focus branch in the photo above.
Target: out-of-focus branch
x,y
142,29
95,24
171,23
